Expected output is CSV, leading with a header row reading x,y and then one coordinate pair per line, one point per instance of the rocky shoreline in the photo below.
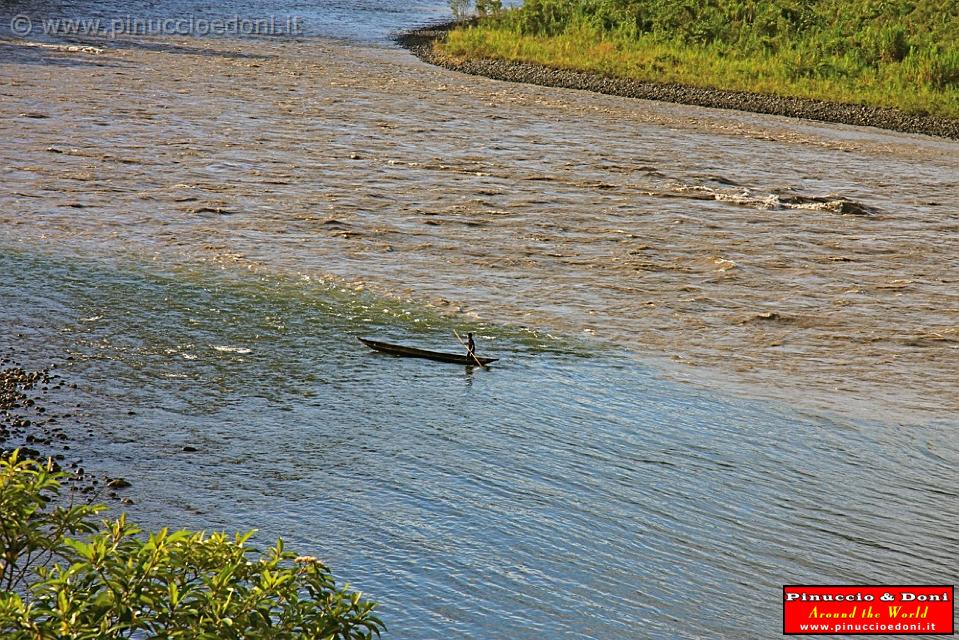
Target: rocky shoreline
x,y
38,434
420,43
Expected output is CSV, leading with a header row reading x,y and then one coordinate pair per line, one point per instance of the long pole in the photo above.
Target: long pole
x,y
468,349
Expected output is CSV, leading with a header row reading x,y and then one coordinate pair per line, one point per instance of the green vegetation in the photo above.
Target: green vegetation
x,y
891,53
63,577
463,8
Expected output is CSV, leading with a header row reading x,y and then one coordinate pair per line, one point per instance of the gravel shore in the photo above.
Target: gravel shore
x,y
41,435
420,43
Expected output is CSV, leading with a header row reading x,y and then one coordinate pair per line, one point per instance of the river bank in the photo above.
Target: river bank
x,y
35,422
421,43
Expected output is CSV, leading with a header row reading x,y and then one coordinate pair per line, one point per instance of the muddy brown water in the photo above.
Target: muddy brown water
x,y
787,258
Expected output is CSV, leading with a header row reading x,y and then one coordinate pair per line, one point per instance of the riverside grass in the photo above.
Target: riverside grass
x,y
902,54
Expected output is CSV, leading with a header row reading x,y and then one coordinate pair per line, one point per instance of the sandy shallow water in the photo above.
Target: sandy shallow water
x,y
793,259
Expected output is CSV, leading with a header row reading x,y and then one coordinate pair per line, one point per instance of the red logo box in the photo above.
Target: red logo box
x,y
868,610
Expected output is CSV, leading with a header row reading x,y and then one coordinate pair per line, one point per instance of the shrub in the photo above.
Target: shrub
x,y
113,582
461,8
938,68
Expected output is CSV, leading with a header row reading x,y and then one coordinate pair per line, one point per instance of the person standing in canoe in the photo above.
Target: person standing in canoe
x,y
470,345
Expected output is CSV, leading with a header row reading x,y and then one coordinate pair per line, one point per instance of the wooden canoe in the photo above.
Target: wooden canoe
x,y
413,352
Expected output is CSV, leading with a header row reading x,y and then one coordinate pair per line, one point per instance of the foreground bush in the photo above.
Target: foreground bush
x,y
64,577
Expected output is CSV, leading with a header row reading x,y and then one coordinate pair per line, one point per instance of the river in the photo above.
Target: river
x,y
727,341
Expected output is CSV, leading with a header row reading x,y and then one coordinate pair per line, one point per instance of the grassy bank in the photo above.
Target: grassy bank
x,y
902,54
